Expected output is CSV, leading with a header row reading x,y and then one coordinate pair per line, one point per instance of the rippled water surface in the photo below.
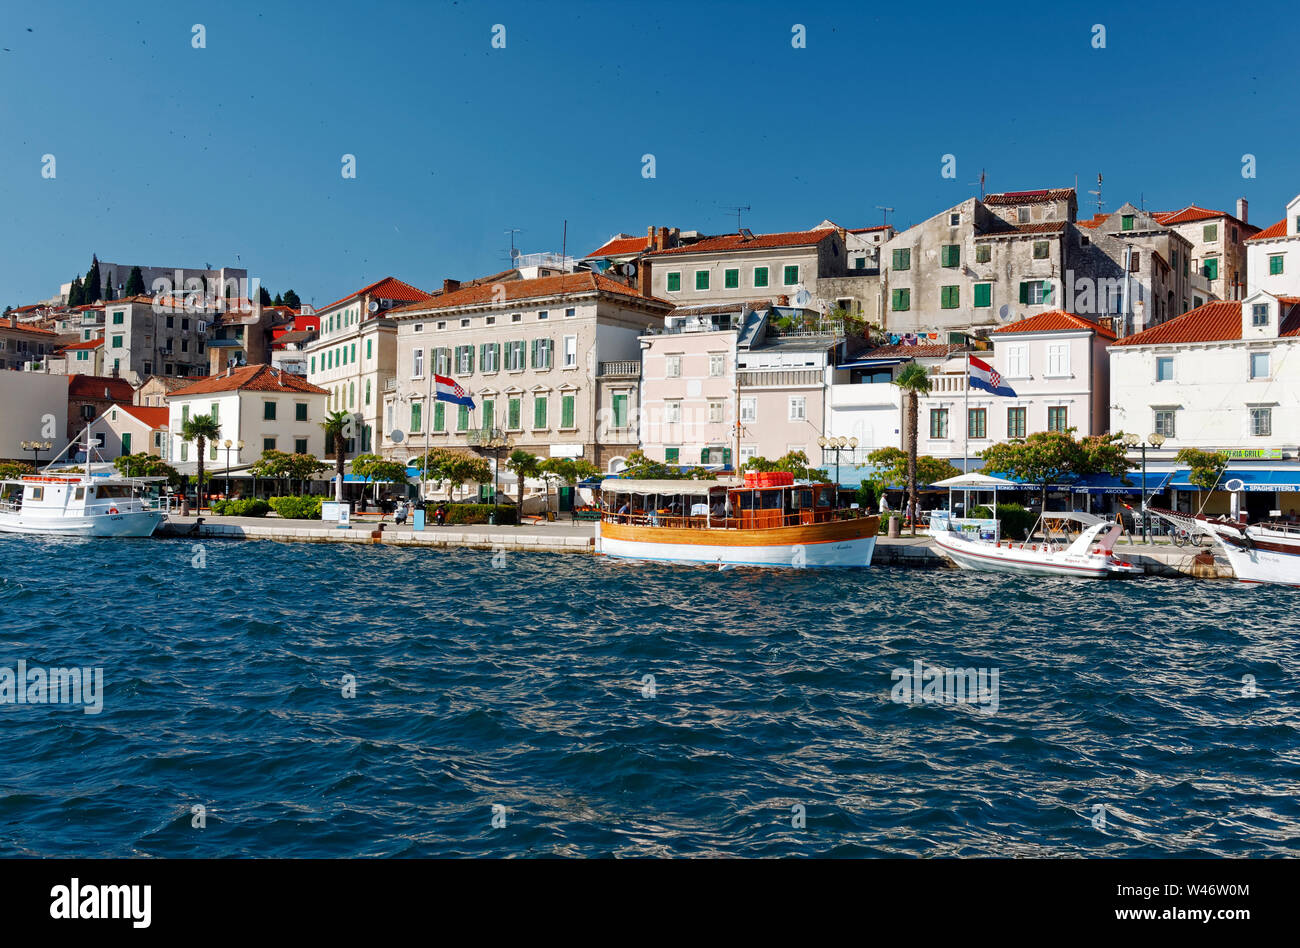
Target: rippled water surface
x,y
524,687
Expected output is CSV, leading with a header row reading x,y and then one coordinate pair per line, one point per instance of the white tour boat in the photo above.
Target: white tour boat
x,y
1259,552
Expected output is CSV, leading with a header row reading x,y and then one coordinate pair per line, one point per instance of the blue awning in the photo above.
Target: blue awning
x,y
871,363
1254,481
1156,481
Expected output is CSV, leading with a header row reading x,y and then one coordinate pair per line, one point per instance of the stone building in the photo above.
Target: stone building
x,y
1218,239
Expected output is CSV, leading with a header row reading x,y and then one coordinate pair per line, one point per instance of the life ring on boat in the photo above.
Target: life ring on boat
x,y
112,510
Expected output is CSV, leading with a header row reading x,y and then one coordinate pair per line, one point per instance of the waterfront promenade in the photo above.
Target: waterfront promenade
x,y
564,536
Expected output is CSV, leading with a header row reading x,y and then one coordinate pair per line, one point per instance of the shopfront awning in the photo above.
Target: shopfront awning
x,y
1252,481
1156,481
871,363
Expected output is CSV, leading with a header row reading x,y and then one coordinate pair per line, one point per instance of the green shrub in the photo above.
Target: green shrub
x,y
475,513
297,508
252,507
1013,519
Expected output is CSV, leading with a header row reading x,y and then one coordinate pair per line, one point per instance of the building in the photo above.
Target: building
x,y
1218,268
44,399
1224,376
355,354
153,391
547,361
145,335
240,333
25,347
1273,255
89,396
130,429
166,281
258,405
79,358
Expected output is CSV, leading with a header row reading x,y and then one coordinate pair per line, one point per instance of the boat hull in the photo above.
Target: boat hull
x,y
138,523
844,544
1259,564
988,557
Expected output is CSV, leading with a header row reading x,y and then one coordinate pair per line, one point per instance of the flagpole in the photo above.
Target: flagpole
x,y
965,448
428,424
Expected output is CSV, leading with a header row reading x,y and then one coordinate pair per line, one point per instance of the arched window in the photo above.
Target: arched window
x,y
352,395
367,391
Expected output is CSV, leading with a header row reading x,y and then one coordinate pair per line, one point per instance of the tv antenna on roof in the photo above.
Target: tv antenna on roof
x,y
887,210
981,184
736,209
1100,202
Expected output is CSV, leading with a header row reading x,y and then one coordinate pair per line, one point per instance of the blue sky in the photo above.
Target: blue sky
x,y
175,156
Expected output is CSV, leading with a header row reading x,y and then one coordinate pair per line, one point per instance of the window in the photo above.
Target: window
x,y
949,297
701,279
1135,262
300,411
954,219
1041,248
1016,422
1058,418
983,295
212,453
1210,268
118,318
674,282
539,411
514,411
462,418
1164,422
790,275
566,411
417,411
716,364
300,445
1261,422
798,407
489,357
760,276
1017,361
977,420
1259,365
514,318
1058,359
465,360
938,422
367,391
185,451
570,352
859,263
1258,314
1126,222
672,367
515,356
417,363
903,259
1022,215
731,279
117,342
901,300
950,255
983,253
672,412
1209,233
620,409
369,349
748,409
439,416
672,455
542,353
544,314
715,411
1164,368
1275,263
488,409
313,365
570,312
268,411
1036,292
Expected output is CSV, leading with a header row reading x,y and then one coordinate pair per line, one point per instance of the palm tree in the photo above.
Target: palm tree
x,y
201,429
336,424
914,381
524,465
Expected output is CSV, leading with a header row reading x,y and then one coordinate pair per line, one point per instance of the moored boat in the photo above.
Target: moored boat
x,y
1258,553
767,521
975,545
78,505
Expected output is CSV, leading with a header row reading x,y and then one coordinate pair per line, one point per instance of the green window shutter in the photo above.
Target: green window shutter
x,y
726,456
903,259
512,413
704,456
370,348
566,411
1275,264
1210,233
701,279
951,255
1126,222
671,455
539,411
300,412
126,442
760,276
902,300
983,253
791,275
1024,292
620,411
416,408
439,416
949,297
1047,293
489,413
353,356
674,282
731,279
983,295
534,353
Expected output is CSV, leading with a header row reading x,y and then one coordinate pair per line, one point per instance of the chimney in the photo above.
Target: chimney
x,y
1243,208
661,241
450,286
643,268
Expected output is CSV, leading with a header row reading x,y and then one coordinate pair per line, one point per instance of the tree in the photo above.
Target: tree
x,y
277,301
792,462
524,465
465,469
146,465
291,300
12,469
376,470
1206,466
264,296
76,295
891,466
641,467
336,425
302,467
93,286
569,471
108,291
914,381
273,465
201,429
134,283
8,310
1047,457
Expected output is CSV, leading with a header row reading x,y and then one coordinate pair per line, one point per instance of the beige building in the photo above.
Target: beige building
x,y
1218,250
552,363
22,346
355,355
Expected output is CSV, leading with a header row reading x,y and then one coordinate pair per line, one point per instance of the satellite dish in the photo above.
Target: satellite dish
x,y
373,307
1235,485
802,297
396,436
515,253
1004,312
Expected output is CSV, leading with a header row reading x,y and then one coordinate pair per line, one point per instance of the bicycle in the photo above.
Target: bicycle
x,y
1182,536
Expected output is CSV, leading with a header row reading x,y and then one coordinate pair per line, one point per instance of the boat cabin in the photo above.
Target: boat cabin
x,y
73,494
717,505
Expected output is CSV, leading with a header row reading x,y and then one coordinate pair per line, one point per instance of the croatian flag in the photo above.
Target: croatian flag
x,y
983,375
447,390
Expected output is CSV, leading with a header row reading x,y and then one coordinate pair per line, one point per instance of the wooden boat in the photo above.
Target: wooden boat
x,y
1259,552
774,523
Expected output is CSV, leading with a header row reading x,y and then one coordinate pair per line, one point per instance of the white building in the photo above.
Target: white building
x,y
1273,255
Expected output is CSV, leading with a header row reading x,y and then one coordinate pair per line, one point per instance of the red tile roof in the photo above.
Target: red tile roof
x,y
865,230
1191,213
1277,230
154,417
734,242
1030,197
1217,321
21,327
389,288
1095,221
84,344
517,290
1057,320
99,386
618,246
250,378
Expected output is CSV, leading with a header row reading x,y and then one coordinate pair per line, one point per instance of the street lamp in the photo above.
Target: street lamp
x,y
1154,440
837,445
496,442
228,444
36,447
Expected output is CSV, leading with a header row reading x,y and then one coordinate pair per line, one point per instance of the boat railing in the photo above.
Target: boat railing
x,y
745,520
979,528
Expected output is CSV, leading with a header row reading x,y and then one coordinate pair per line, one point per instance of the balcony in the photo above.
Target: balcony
x,y
483,437
620,370
779,378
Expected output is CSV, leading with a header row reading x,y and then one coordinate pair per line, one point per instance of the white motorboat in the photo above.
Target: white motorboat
x,y
975,544
1258,553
